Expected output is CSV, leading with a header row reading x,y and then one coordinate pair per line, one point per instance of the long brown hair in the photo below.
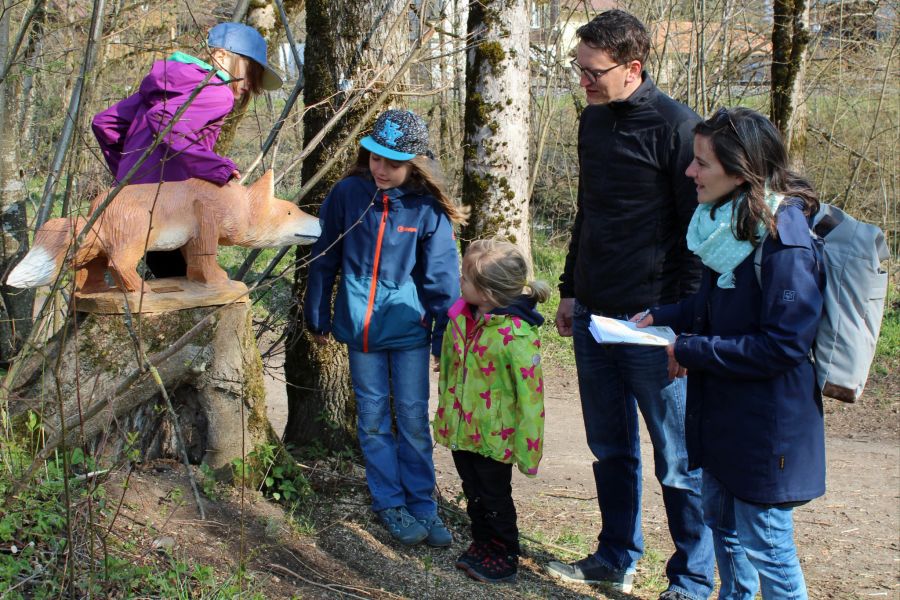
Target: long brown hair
x,y
749,146
425,177
241,69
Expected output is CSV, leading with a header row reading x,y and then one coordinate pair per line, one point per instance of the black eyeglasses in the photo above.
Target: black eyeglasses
x,y
592,74
715,123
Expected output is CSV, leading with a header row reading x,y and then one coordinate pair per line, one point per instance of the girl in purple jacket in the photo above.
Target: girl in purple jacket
x,y
128,128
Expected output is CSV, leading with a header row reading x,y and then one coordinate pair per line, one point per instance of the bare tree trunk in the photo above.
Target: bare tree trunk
x,y
15,305
351,41
790,37
495,172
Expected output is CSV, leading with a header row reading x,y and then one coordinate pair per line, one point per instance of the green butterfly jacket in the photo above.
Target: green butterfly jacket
x,y
491,385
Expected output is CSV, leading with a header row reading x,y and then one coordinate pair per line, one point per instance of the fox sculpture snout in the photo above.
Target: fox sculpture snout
x,y
194,215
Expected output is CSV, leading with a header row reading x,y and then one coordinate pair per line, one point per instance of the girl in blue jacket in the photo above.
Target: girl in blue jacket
x,y
754,412
387,228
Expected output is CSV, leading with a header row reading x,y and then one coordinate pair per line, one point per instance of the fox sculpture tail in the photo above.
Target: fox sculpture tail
x,y
44,260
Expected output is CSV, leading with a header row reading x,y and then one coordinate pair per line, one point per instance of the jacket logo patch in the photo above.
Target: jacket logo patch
x,y
789,295
403,229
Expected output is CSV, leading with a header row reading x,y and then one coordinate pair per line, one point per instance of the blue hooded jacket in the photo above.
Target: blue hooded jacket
x,y
399,268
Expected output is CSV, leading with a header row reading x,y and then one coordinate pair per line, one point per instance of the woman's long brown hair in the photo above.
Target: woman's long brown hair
x,y
749,146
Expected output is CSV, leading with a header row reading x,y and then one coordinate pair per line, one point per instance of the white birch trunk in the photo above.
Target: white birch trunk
x,y
497,133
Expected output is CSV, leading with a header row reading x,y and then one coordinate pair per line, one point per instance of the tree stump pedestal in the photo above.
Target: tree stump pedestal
x,y
95,372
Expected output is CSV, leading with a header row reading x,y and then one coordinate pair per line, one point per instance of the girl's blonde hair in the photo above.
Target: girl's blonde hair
x,y
425,176
499,270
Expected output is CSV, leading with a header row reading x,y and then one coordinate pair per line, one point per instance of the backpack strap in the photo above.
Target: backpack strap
x,y
757,258
827,223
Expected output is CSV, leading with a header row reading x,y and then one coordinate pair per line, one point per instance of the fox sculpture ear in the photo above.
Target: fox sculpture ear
x,y
264,187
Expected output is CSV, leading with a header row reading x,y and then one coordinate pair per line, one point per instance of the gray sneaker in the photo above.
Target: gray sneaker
x,y
438,534
402,526
592,571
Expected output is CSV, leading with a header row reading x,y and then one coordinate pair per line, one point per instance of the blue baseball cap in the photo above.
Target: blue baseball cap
x,y
246,41
398,135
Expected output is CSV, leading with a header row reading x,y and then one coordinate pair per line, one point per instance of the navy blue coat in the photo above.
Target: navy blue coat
x,y
754,411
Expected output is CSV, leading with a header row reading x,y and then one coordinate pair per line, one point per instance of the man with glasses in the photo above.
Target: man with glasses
x,y
628,253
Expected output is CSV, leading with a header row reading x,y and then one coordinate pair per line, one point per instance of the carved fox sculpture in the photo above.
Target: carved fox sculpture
x,y
194,215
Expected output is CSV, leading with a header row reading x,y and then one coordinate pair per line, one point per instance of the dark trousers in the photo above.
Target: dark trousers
x,y
487,484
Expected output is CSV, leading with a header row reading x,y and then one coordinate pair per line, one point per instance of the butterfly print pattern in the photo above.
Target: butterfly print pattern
x,y
491,381
505,433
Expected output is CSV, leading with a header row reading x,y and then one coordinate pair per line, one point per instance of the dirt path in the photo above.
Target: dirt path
x,y
848,540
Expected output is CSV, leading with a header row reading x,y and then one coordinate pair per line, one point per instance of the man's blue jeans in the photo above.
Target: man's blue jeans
x,y
754,546
615,381
399,467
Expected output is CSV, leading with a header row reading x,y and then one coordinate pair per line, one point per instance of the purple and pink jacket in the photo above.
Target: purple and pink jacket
x,y
126,129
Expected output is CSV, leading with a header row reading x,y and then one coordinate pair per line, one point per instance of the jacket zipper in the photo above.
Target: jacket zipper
x,y
374,284
467,343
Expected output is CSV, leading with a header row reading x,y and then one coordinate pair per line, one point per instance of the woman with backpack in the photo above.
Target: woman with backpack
x,y
754,418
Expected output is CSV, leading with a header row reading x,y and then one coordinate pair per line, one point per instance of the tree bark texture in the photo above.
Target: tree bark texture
x,y
352,40
790,37
215,384
495,172
15,304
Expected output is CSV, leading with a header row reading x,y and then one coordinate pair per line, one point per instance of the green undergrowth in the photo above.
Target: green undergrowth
x,y
59,537
549,258
883,386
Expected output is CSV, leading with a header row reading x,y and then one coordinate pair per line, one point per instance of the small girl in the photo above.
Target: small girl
x,y
387,228
491,407
126,129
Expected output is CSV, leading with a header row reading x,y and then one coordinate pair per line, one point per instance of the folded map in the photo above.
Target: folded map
x,y
616,331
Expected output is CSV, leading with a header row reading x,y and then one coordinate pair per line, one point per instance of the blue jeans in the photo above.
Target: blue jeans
x,y
399,467
754,546
615,381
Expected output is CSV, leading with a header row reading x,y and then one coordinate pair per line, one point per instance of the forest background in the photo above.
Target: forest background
x,y
494,81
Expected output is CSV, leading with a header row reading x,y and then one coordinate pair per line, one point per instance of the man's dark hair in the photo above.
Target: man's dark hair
x,y
619,34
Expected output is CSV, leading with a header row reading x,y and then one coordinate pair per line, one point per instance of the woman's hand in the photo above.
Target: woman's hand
x,y
675,369
642,319
435,364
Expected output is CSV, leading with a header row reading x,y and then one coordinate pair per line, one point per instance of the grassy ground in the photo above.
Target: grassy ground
x,y
549,260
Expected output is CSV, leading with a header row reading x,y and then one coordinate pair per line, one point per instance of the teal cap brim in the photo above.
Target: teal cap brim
x,y
372,146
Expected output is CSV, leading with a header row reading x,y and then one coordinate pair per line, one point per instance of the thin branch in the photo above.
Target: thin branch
x,y
73,113
26,24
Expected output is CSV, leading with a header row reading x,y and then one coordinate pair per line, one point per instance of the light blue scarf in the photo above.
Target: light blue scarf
x,y
712,239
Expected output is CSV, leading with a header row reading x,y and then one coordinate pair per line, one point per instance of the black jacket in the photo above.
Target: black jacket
x,y
628,249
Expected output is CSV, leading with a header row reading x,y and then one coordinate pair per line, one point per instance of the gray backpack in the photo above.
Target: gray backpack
x,y
855,290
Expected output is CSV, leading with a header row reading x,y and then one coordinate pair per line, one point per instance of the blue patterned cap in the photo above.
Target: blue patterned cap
x,y
398,135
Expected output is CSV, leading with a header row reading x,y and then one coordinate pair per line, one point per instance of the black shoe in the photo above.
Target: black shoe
x,y
673,595
497,566
474,554
591,571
